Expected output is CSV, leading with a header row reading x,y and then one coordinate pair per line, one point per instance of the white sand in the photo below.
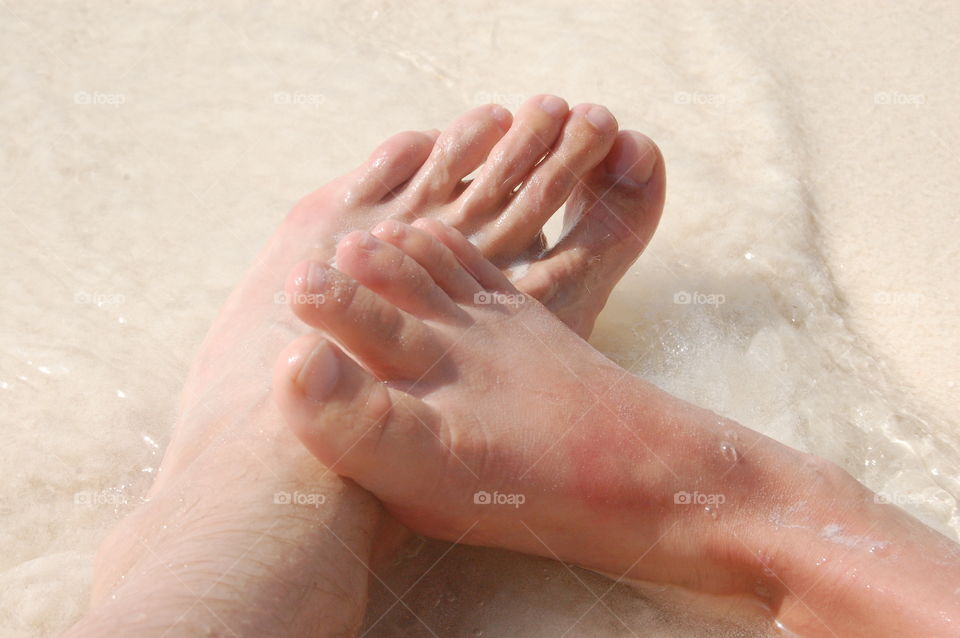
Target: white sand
x,y
813,167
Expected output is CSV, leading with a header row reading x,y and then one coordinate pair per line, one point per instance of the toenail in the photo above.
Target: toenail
x,y
601,119
319,373
316,278
637,165
553,106
501,115
366,242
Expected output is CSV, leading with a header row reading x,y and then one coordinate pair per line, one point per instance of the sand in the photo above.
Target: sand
x,y
148,151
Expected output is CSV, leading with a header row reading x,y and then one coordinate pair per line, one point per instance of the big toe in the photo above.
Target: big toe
x,y
352,423
609,221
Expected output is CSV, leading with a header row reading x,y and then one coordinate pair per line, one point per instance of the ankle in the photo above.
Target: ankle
x,y
849,565
694,494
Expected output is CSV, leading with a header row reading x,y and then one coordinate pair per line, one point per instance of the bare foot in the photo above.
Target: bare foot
x,y
489,398
216,521
499,426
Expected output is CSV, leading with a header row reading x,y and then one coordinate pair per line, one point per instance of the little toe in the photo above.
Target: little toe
x,y
386,340
435,257
612,217
391,164
585,140
458,151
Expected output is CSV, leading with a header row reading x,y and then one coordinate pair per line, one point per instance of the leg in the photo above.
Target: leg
x,y
501,427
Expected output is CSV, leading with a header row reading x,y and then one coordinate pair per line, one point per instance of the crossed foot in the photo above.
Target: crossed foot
x,y
497,425
211,522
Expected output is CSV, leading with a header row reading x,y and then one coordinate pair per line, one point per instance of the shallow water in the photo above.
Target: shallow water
x,y
801,283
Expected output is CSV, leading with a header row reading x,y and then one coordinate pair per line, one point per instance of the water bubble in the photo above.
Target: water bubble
x,y
729,452
711,511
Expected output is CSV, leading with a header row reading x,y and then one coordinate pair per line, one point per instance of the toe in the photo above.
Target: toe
x,y
469,256
390,165
386,340
611,218
396,276
585,140
433,256
535,128
458,151
352,423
